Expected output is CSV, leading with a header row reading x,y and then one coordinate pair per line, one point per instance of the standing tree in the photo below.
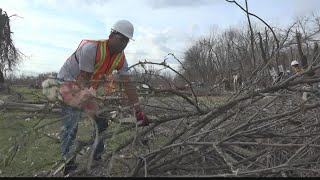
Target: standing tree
x,y
10,56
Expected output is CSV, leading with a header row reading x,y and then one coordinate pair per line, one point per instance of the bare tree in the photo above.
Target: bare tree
x,y
10,56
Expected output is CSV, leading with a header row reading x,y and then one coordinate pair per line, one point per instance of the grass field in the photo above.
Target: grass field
x,y
25,148
30,140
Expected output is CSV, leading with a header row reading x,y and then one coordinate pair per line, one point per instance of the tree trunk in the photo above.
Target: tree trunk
x,y
1,77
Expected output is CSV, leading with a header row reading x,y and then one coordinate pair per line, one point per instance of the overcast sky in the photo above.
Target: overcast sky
x,y
50,30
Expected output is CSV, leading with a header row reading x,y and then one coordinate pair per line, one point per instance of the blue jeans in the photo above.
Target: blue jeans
x,y
71,117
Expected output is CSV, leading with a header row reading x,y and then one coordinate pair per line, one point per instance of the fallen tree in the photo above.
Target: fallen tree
x,y
270,132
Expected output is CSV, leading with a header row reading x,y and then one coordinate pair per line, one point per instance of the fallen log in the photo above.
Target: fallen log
x,y
27,106
6,103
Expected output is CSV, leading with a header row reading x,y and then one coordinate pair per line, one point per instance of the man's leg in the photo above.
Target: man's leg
x,y
102,123
71,118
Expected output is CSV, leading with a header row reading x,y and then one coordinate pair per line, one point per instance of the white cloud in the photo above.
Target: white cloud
x,y
158,4
40,21
69,4
42,58
47,39
306,6
153,44
50,30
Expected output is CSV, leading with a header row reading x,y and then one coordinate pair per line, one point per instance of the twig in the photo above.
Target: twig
x,y
94,146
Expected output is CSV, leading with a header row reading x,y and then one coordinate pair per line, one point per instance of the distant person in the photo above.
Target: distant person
x,y
299,70
91,61
296,67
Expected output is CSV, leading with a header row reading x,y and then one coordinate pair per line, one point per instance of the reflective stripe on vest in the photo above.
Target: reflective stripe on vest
x,y
104,64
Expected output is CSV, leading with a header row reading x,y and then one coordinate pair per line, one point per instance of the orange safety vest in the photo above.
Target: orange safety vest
x,y
104,64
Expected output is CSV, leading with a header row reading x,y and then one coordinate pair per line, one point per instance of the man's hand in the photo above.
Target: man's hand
x,y
131,92
142,119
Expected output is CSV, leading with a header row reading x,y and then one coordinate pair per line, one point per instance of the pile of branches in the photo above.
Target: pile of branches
x,y
271,131
267,132
256,132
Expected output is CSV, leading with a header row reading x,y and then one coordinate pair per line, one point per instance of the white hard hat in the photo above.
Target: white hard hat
x,y
124,27
294,63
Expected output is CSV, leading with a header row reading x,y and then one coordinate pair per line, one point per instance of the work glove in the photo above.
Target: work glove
x,y
74,96
142,119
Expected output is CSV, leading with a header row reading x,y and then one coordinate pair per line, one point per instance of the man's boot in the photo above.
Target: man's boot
x,y
69,167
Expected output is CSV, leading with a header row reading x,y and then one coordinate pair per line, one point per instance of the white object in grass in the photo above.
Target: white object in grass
x,y
50,88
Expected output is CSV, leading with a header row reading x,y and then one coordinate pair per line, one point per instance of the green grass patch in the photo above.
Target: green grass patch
x,y
116,139
26,147
28,150
24,151
213,100
30,94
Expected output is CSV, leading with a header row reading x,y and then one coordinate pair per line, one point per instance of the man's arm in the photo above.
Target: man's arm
x,y
131,91
86,55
